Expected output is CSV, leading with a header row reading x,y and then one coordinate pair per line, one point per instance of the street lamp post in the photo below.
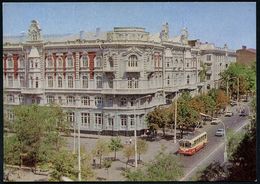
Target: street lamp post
x,y
225,141
136,127
175,118
79,159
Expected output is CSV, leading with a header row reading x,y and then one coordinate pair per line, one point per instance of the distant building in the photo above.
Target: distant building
x,y
102,79
246,56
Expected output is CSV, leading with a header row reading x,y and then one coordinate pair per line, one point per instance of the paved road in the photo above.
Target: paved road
x,y
214,151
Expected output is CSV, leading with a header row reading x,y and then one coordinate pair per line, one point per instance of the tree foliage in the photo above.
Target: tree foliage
x,y
101,149
37,132
115,145
213,172
165,167
142,147
128,152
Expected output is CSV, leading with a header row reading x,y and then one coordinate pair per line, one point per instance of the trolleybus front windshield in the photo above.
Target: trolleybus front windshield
x,y
185,144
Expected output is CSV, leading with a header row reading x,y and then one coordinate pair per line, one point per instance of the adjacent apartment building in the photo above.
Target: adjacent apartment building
x,y
103,80
246,56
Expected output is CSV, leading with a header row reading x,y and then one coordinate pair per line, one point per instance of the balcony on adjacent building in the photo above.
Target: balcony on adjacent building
x,y
32,91
133,69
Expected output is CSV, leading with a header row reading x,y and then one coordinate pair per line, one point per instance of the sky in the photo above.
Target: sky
x,y
219,23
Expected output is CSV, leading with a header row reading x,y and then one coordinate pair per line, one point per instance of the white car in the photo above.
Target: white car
x,y
220,132
229,114
215,121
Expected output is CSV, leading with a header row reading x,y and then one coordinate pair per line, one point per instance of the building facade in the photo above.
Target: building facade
x,y
106,81
246,56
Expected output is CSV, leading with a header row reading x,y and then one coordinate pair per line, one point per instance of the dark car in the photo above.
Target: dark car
x,y
233,103
242,113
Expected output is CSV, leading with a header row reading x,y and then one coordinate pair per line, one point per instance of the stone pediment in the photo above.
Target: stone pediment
x,y
133,50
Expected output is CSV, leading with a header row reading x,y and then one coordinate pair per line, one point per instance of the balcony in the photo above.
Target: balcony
x,y
32,91
133,69
108,69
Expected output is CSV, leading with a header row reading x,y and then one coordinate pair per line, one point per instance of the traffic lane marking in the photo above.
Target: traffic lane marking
x,y
192,170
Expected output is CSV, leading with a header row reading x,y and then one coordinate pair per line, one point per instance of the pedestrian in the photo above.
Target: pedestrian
x,y
94,162
130,141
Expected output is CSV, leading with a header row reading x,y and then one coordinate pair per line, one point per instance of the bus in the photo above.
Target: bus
x,y
193,143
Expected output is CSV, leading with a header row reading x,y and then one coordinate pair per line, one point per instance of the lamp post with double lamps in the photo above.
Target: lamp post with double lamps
x,y
137,100
225,141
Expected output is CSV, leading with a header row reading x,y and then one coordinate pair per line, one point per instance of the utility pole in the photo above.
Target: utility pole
x,y
175,117
227,86
79,159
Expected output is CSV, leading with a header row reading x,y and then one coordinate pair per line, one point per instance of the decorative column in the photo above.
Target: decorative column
x,y
91,56
54,59
5,58
15,58
64,64
74,58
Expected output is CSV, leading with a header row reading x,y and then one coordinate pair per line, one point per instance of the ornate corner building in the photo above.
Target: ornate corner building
x,y
103,79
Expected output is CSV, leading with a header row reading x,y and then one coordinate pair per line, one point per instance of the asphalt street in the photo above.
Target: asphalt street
x,y
214,150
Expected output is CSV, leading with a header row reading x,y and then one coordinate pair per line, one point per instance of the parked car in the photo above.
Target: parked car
x,y
220,132
229,114
233,103
243,113
215,121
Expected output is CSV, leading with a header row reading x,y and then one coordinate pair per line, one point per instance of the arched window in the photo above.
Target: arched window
x,y
111,62
123,102
188,79
60,63
98,62
31,82
132,101
59,82
85,100
70,82
132,62
69,62
84,81
50,81
168,80
99,82
36,82
71,100
84,61
50,63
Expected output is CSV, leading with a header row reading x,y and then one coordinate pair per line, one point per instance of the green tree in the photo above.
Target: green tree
x,y
213,172
101,149
142,147
233,140
87,172
37,132
63,164
157,120
128,152
11,150
165,167
115,145
107,165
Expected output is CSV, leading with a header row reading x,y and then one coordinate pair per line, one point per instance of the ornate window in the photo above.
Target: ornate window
x,y
60,63
70,81
85,61
98,119
168,80
110,122
111,62
10,63
71,100
59,82
50,81
50,63
188,79
36,82
98,101
31,61
98,61
21,99
209,57
70,117
132,82
123,102
123,121
84,81
99,82
21,63
132,62
10,81
10,98
132,101
85,101
132,120
50,99
69,61
85,119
